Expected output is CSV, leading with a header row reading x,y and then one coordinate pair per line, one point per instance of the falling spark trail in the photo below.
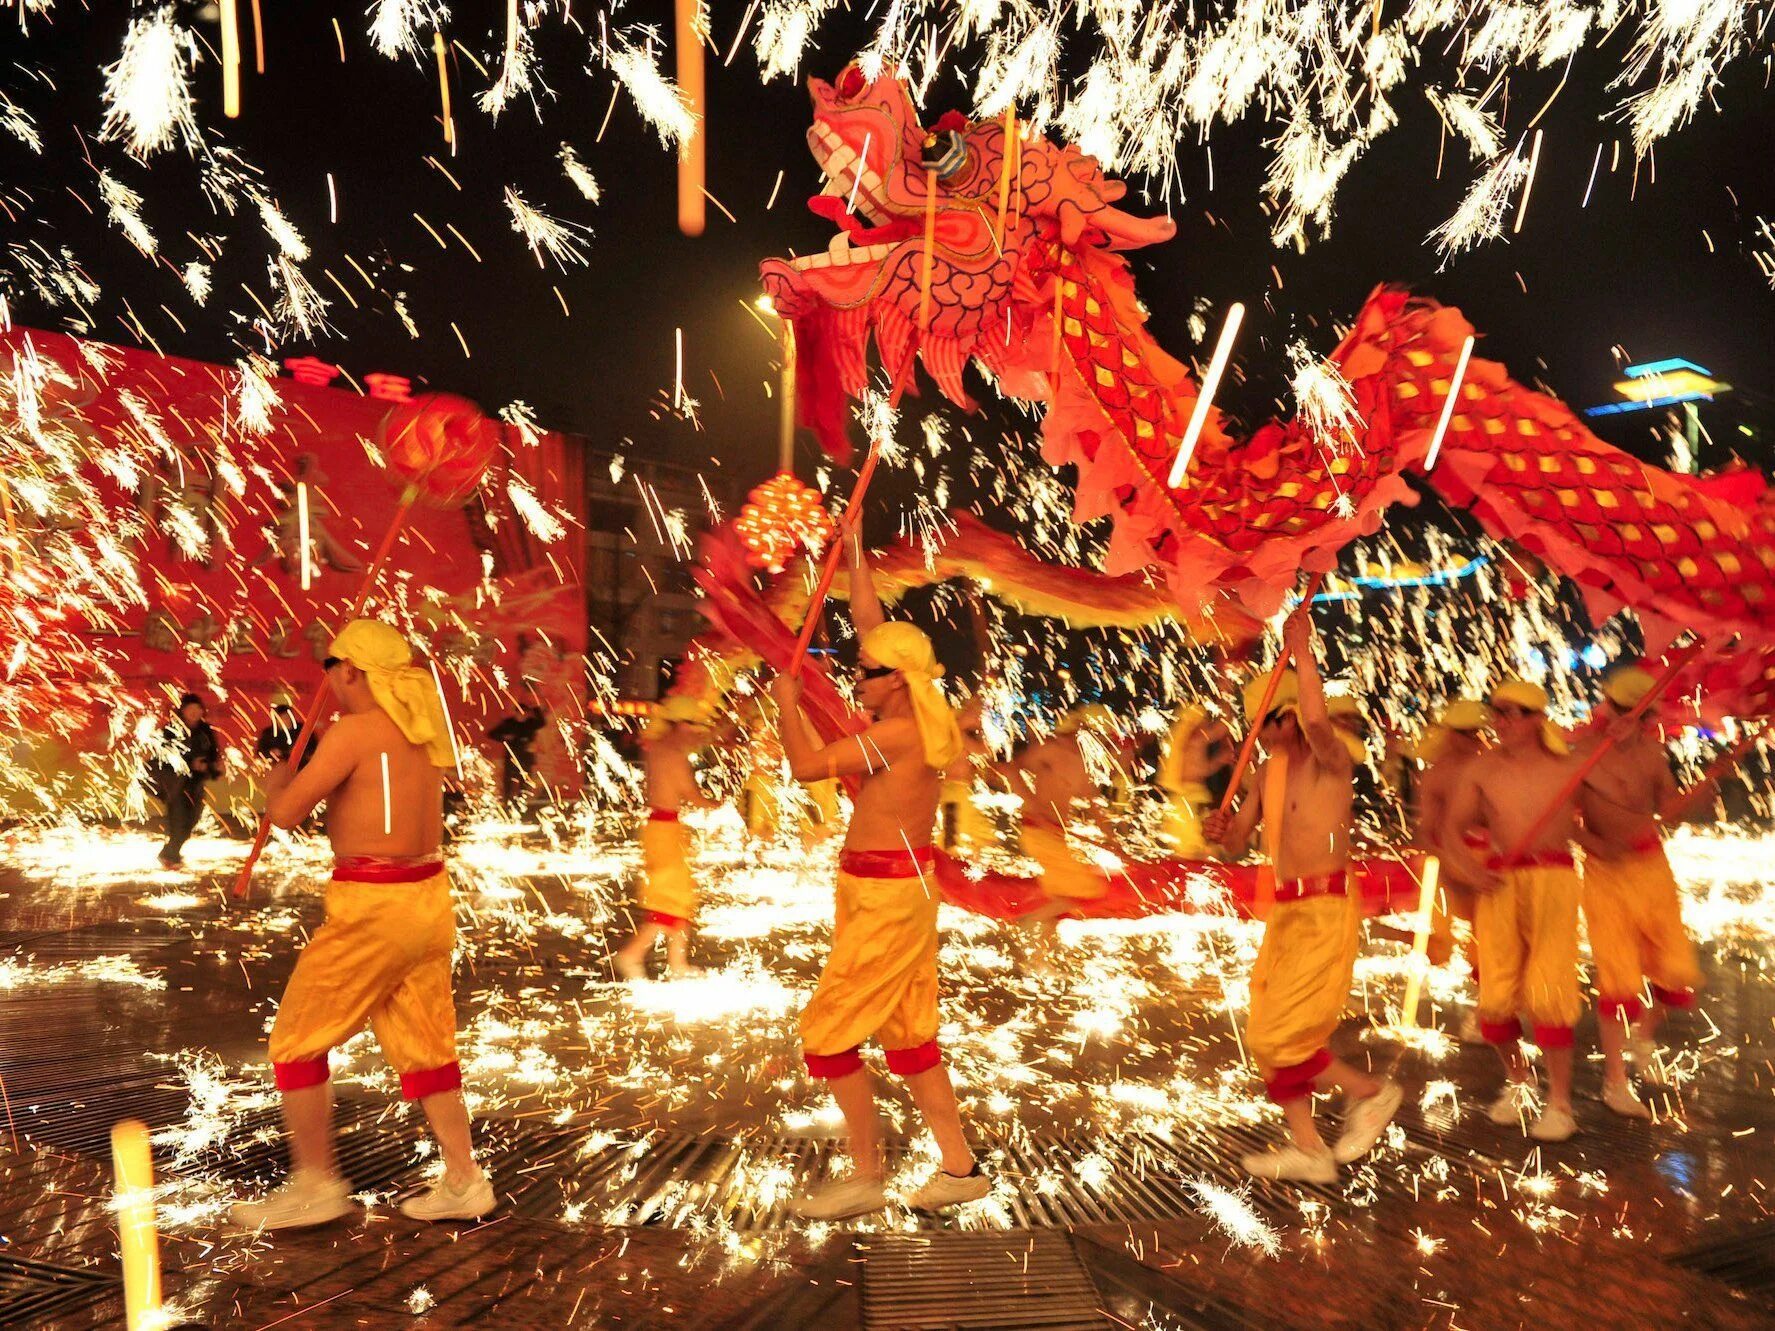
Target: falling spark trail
x,y
1528,183
1448,405
1205,398
302,532
387,806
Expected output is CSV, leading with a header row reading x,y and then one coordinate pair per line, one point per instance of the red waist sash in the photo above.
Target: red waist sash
x,y
1647,844
886,863
1535,859
382,869
662,815
1333,884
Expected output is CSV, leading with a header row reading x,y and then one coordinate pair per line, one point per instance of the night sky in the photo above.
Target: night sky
x,y
1638,273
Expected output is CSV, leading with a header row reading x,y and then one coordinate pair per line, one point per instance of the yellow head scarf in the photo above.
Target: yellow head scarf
x,y
1346,715
1533,698
904,648
1626,685
408,694
1092,716
1287,695
679,709
1189,720
1465,715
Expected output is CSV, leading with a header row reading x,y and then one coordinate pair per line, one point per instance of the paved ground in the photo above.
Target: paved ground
x,y
645,1138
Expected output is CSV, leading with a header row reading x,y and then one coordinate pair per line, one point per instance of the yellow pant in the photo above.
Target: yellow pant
x,y
762,806
1065,875
1182,828
1299,989
1527,932
668,893
382,959
880,979
1634,914
960,820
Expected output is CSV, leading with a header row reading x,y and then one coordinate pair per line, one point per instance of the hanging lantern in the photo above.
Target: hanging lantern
x,y
780,517
441,445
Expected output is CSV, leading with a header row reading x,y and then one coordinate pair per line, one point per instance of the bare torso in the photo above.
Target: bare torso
x,y
403,819
1622,794
896,807
671,782
1433,788
1315,832
1515,790
1056,776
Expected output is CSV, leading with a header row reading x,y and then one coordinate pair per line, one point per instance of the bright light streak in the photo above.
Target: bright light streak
x,y
1448,404
1528,183
1205,398
387,807
302,533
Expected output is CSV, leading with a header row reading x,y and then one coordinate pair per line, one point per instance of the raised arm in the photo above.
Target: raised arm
x,y
1315,721
878,747
865,604
335,757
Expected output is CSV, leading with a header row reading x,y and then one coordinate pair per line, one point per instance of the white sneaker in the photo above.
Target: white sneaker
x,y
306,1198
944,1189
1554,1125
1293,1164
1644,1052
1364,1122
1619,1096
841,1199
444,1201
1514,1104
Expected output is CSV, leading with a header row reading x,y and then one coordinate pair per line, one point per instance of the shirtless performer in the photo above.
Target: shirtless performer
x,y
880,978
1455,739
1054,778
960,819
1301,798
668,892
1525,911
1631,903
382,958
1198,748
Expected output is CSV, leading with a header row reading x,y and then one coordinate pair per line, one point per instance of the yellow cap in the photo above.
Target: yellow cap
x,y
1533,698
1287,697
1465,714
1346,714
1626,685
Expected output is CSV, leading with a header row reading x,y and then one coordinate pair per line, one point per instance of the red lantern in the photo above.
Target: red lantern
x,y
441,445
780,517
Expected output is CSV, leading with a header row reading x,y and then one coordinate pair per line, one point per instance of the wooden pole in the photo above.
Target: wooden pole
x,y
1596,755
311,712
1420,943
1274,682
688,44
138,1241
810,625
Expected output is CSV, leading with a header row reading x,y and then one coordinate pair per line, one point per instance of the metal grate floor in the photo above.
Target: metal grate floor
x,y
1746,1261
949,1282
30,1290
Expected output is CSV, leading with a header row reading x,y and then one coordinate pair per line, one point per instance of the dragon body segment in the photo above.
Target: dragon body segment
x,y
1038,293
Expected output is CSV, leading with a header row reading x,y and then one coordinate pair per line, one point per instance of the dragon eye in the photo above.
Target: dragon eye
x,y
851,82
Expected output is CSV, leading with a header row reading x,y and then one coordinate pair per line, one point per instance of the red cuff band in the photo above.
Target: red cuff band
x,y
432,1081
829,1066
1674,997
1613,1008
375,869
910,1062
1500,1032
1553,1037
300,1076
886,863
665,921
1291,1083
